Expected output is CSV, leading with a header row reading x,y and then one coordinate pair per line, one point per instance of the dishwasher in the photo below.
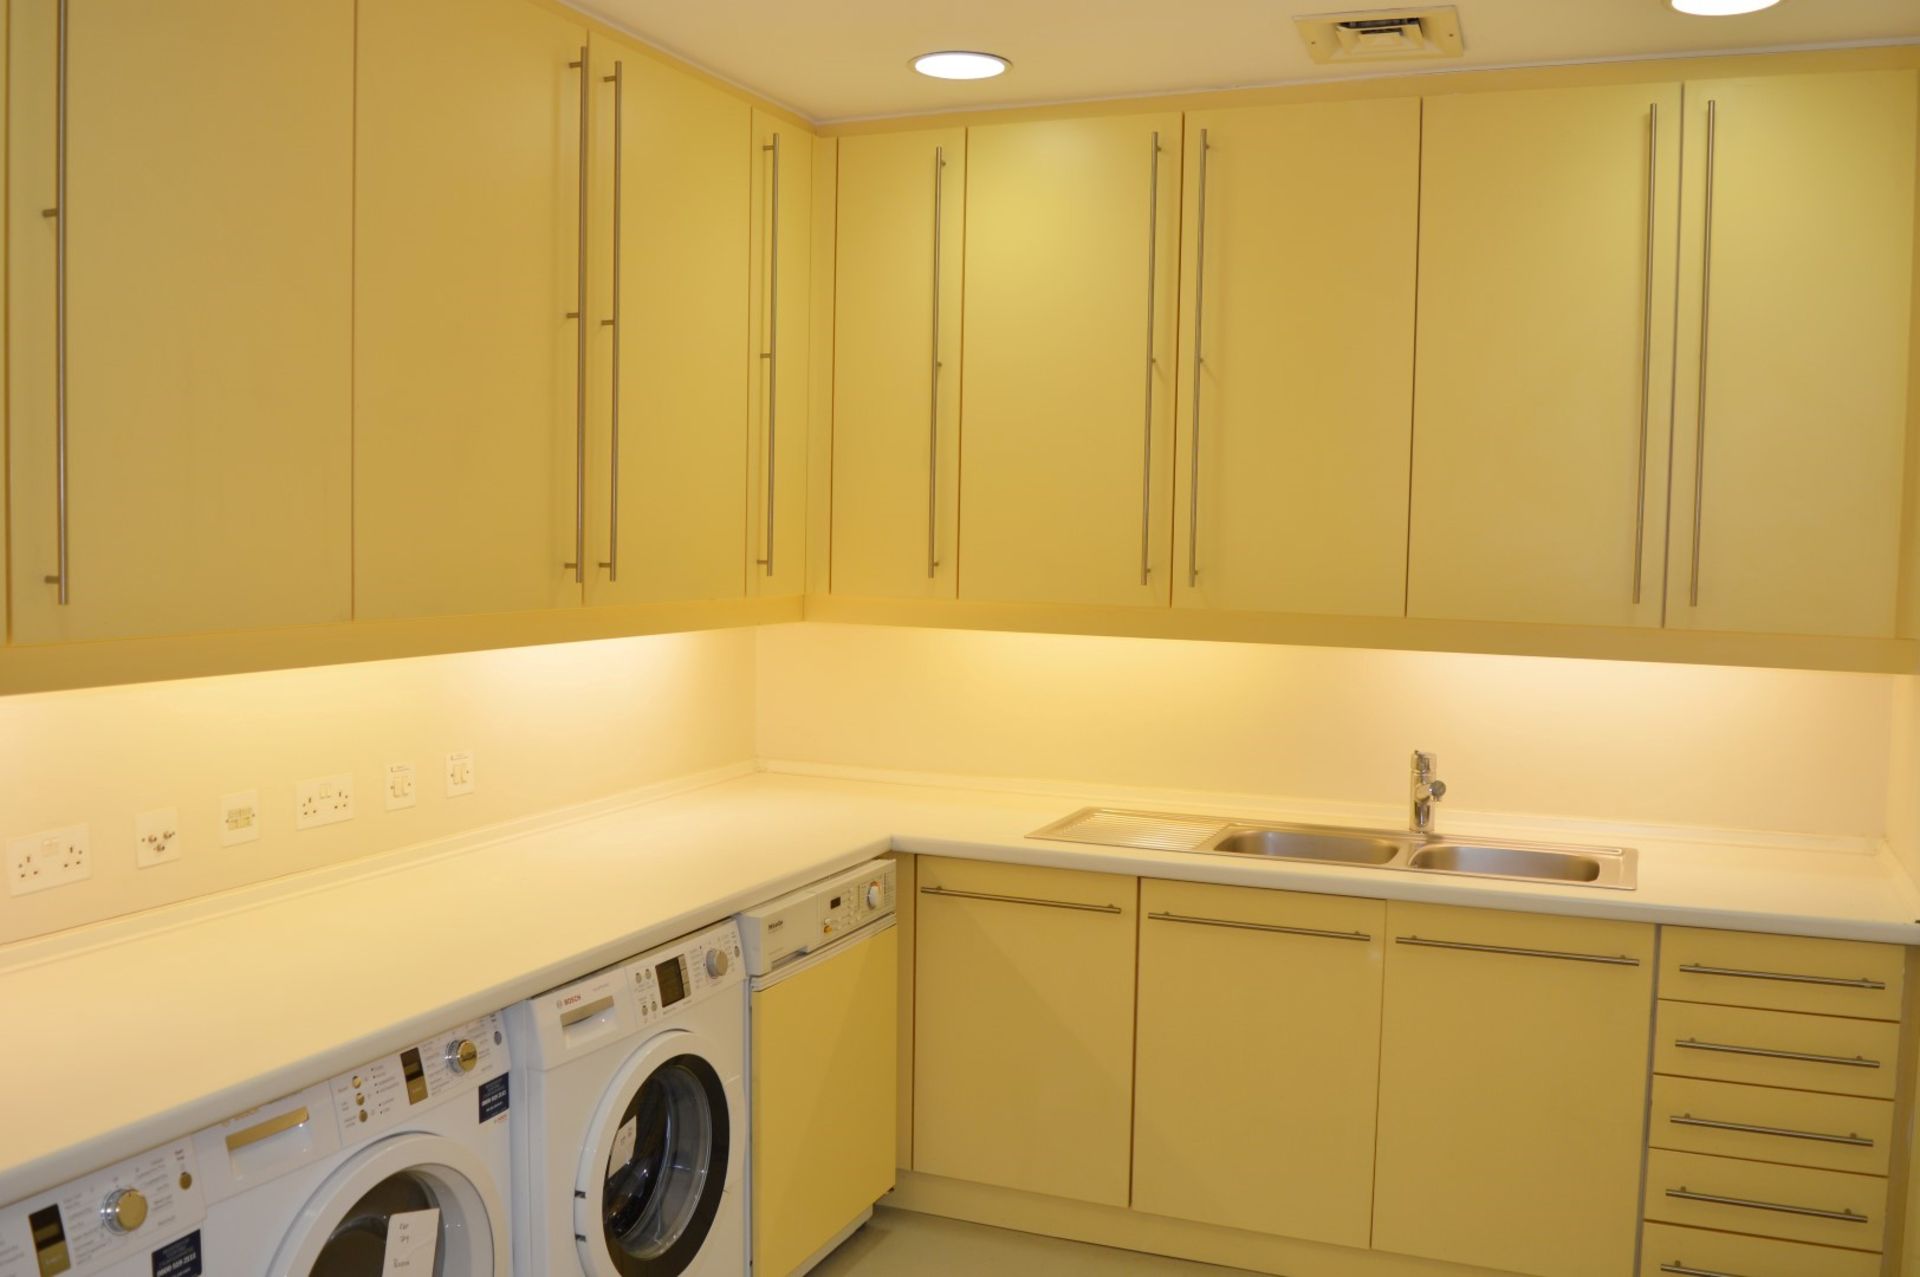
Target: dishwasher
x,y
823,965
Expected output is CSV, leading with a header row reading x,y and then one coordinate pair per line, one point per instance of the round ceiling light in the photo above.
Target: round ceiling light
x,y
960,64
1721,8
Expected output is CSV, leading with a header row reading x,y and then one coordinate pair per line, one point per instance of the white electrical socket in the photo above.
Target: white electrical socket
x,y
42,861
239,817
400,787
156,837
460,773
325,800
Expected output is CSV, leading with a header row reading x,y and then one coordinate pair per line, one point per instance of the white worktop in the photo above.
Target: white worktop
x,y
191,1016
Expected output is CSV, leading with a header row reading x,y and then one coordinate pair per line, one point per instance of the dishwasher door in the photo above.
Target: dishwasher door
x,y
823,1045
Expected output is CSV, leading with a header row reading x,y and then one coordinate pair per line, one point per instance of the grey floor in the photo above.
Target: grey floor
x,y
904,1244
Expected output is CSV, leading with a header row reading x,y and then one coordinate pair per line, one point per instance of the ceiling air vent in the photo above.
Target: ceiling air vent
x,y
1383,35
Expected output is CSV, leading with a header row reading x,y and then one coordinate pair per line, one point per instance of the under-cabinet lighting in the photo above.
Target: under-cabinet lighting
x,y
959,64
1721,8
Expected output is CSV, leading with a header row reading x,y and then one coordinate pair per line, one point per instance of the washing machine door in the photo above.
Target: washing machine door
x,y
654,1170
346,1227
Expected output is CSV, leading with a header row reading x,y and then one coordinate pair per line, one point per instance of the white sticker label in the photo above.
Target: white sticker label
x,y
413,1239
622,1146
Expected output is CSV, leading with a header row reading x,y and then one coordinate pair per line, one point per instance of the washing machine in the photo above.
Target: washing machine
x,y
629,1125
401,1166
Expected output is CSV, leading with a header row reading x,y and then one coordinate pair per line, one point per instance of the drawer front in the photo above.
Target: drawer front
x,y
1667,1251
1800,1128
1828,1208
1782,973
1777,1048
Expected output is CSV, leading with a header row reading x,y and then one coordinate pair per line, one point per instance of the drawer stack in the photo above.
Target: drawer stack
x,y
1775,1063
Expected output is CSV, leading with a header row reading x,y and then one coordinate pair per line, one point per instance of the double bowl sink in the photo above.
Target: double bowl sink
x,y
1327,844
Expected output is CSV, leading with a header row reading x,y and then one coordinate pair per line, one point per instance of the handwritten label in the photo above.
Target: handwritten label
x,y
623,1141
413,1240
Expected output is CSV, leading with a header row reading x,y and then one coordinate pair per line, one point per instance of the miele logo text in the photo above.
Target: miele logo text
x,y
776,924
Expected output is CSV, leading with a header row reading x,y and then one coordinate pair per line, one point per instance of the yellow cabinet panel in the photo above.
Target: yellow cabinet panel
x,y
1784,973
209,229
467,265
896,364
1669,1249
1257,1060
1072,242
1542,403
1023,1028
1513,1090
1768,1124
1794,303
1306,365
1778,1048
1830,1208
781,359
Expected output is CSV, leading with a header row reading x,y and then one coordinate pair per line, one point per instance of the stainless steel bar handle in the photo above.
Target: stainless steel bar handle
x,y
63,578
1153,277
1681,1270
1260,926
1844,1216
1619,960
1700,409
1646,353
1688,1119
954,894
772,353
579,314
1768,1053
1837,982
933,400
612,562
1199,362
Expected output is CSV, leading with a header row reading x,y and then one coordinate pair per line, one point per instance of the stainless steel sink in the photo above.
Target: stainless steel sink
x,y
1338,847
1535,863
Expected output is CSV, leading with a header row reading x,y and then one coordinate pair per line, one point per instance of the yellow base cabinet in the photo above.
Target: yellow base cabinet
x,y
1667,1250
1513,1089
1023,1027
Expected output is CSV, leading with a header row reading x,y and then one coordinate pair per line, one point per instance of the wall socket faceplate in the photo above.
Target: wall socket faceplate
x,y
43,861
324,800
239,817
401,791
156,837
460,773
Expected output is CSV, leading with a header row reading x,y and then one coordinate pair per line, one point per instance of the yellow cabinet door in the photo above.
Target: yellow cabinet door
x,y
469,352
207,220
1542,382
1023,1028
1300,332
668,293
1072,256
896,364
1257,1061
782,270
1795,292
1513,1088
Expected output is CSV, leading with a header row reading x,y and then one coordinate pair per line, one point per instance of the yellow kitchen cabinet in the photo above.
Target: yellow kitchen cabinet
x,y
1072,257
180,456
780,361
1542,401
896,366
470,352
1513,1089
1290,467
1023,1027
1795,292
1257,1060
669,298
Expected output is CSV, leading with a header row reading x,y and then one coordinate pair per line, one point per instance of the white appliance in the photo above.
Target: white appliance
x,y
630,1122
404,1160
824,1059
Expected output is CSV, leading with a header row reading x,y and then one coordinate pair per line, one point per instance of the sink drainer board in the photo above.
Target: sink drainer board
x,y
1147,830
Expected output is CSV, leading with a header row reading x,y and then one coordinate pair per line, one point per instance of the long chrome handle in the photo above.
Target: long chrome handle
x,y
1646,353
954,894
1153,277
1199,361
1838,982
579,314
1260,926
1688,1119
63,578
1700,408
1681,1270
933,377
1769,1053
1612,960
772,353
1844,1216
612,562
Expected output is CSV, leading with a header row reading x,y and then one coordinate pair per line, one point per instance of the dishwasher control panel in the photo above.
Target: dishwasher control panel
x,y
790,927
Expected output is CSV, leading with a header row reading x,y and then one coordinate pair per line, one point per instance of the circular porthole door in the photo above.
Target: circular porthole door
x,y
653,1176
342,1230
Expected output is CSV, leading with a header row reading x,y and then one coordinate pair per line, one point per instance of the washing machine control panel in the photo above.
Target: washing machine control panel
x,y
81,1228
669,980
374,1098
802,921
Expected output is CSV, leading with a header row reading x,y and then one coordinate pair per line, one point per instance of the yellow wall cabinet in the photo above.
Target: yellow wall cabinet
x,y
1258,1059
896,368
1023,1027
206,227
1290,471
782,262
1513,1087
1072,255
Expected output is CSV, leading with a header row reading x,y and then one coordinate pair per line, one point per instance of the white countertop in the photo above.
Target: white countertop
x,y
113,1049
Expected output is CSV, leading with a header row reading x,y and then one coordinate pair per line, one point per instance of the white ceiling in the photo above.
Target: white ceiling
x,y
847,59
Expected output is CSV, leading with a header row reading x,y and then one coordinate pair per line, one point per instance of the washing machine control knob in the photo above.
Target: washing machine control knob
x,y
875,895
124,1210
717,963
463,1055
